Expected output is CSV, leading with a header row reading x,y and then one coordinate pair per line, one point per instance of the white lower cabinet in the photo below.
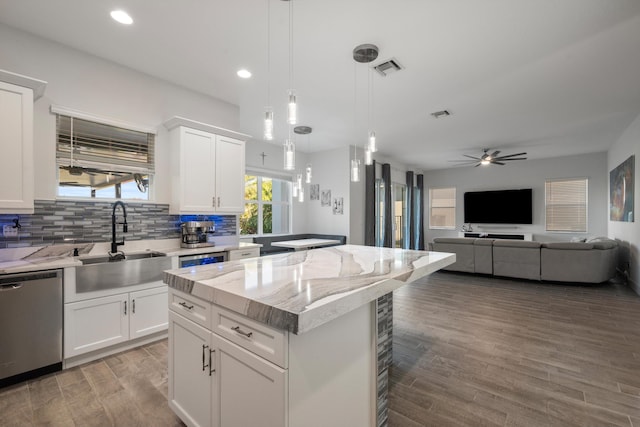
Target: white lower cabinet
x,y
214,382
98,323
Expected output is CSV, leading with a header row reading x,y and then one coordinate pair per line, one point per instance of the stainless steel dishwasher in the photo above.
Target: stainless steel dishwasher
x,y
30,325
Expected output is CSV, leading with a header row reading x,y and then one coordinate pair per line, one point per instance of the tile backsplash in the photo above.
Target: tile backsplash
x,y
61,221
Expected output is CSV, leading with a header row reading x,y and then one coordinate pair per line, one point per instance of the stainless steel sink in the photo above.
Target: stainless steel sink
x,y
100,273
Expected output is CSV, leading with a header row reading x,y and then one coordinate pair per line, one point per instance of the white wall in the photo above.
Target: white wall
x,y
628,233
331,172
84,82
527,174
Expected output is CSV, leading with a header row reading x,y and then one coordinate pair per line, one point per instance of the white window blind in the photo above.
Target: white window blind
x,y
566,204
442,208
103,146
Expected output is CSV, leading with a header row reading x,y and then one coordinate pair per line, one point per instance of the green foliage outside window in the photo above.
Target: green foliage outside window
x,y
249,219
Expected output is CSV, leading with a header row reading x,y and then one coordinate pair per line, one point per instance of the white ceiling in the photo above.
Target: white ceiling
x,y
548,77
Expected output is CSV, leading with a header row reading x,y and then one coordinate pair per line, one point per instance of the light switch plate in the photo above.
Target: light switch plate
x,y
9,231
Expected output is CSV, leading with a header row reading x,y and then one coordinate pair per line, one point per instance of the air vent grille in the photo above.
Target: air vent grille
x,y
387,67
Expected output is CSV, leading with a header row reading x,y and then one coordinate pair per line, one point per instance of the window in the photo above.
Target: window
x,y
100,160
566,204
267,207
442,208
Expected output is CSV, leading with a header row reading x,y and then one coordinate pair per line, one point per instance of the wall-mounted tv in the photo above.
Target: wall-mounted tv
x,y
499,207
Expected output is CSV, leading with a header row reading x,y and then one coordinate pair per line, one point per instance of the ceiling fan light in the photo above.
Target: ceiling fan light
x,y
485,162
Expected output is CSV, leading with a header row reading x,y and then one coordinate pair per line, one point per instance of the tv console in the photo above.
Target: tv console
x,y
495,235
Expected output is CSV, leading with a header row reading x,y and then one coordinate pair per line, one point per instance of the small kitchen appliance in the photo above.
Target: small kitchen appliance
x,y
197,234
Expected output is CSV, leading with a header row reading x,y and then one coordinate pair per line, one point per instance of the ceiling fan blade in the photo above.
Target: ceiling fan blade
x,y
462,161
471,157
495,154
506,160
498,163
512,155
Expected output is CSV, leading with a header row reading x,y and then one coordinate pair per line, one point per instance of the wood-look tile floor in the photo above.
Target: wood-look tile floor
x,y
468,351
480,351
126,389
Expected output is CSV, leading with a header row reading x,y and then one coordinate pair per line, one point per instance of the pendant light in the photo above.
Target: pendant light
x,y
372,134
268,110
292,107
364,54
305,130
300,188
289,154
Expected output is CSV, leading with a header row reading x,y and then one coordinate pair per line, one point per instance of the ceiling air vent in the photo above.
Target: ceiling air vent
x,y
388,67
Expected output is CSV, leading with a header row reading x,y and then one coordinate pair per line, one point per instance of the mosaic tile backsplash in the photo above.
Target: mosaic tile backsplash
x,y
61,221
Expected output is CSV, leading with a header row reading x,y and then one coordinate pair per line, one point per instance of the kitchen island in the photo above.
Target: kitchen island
x,y
298,339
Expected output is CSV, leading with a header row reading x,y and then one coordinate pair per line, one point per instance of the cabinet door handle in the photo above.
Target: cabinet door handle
x,y
133,306
241,332
204,347
213,201
211,370
184,304
125,308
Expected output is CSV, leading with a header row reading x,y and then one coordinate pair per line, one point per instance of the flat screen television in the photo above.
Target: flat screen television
x,y
499,207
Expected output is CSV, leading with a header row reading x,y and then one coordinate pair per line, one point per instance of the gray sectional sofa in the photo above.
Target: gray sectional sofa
x,y
593,261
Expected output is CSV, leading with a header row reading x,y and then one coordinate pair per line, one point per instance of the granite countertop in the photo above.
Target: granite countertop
x,y
298,291
52,257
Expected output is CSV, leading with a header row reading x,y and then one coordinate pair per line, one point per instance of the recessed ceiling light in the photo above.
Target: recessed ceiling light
x,y
122,17
244,73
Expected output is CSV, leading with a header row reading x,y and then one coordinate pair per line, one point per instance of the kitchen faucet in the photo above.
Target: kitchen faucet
x,y
114,244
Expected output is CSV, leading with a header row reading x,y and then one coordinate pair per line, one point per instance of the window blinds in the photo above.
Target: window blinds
x,y
103,146
566,204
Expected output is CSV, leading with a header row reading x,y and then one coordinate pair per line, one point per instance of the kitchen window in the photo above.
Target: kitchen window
x,y
442,208
566,204
101,158
267,208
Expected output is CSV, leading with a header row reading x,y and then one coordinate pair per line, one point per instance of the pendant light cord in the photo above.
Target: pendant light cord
x,y
268,51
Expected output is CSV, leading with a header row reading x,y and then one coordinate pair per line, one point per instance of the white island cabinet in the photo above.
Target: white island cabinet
x,y
287,340
17,94
207,168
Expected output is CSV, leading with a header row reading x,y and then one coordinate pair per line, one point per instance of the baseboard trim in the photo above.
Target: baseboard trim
x,y
99,354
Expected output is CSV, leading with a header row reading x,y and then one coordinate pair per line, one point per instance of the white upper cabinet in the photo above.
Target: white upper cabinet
x,y
17,94
207,168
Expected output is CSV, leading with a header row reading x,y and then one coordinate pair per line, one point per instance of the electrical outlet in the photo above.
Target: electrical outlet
x,y
9,231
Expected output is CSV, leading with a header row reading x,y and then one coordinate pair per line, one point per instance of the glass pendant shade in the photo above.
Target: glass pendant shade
x,y
301,194
372,141
308,174
292,109
299,180
295,189
368,157
355,170
289,155
268,123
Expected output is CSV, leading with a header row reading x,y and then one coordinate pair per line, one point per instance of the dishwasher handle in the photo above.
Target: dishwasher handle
x,y
10,287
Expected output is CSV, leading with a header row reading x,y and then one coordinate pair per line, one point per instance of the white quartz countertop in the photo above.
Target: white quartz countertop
x,y
298,291
52,257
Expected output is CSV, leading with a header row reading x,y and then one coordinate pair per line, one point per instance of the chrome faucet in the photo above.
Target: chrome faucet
x,y
114,244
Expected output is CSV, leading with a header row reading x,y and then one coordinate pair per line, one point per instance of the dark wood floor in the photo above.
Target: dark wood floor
x,y
480,351
468,351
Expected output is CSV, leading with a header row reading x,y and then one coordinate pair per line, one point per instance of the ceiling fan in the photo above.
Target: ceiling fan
x,y
490,158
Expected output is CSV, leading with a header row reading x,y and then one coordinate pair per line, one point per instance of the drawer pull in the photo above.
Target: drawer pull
x,y
204,347
211,370
184,304
246,254
241,332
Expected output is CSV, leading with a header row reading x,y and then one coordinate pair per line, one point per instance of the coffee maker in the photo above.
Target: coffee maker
x,y
196,234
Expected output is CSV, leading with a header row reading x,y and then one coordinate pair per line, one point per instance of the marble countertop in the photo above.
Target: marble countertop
x,y
299,291
22,260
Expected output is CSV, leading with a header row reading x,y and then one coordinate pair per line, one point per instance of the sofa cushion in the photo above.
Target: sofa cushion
x,y
456,240
569,246
516,243
483,256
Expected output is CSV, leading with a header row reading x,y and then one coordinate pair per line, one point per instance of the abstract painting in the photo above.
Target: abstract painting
x,y
325,200
338,206
621,181
314,192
